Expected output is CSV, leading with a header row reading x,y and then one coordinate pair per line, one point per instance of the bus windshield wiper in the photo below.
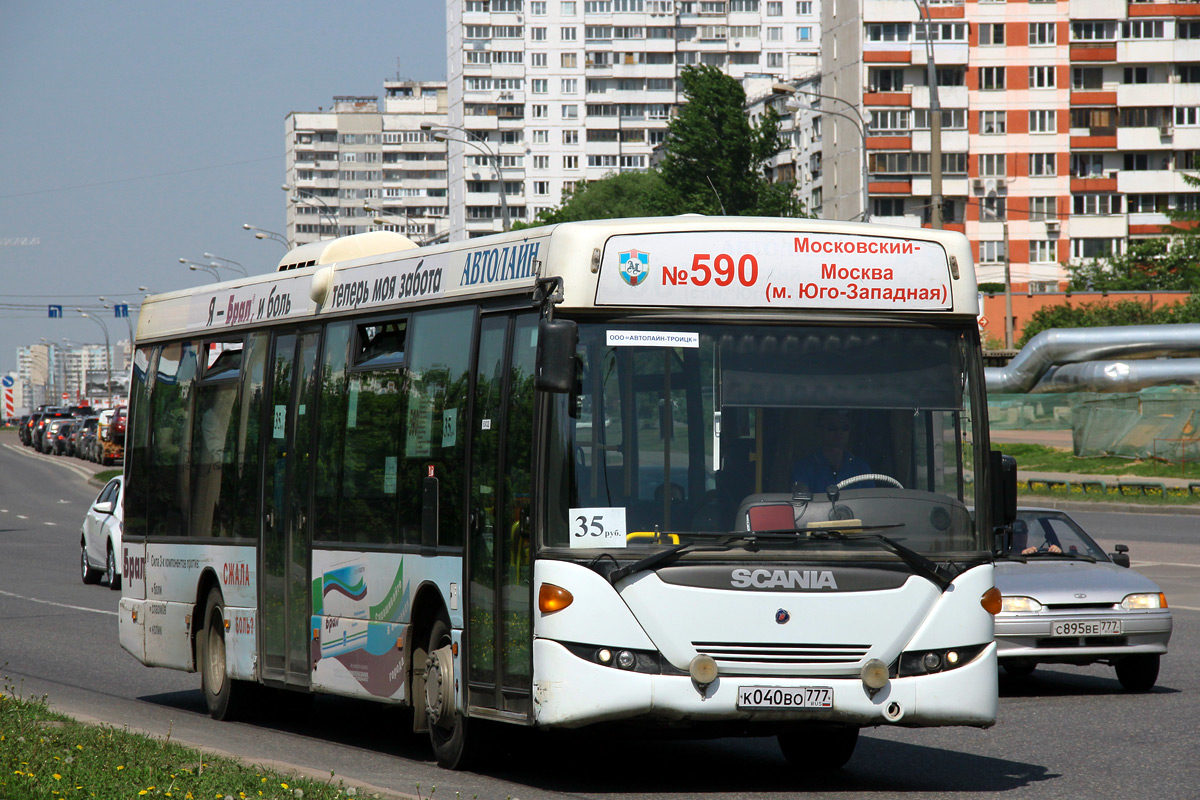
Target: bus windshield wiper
x,y
663,556
920,564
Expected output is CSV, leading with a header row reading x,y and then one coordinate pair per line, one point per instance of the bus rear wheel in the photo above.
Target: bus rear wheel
x,y
225,697
447,724
819,749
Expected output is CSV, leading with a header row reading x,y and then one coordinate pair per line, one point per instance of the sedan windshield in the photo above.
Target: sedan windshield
x,y
679,432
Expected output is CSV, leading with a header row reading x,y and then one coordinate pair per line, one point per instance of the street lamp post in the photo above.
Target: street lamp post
x,y
859,122
128,321
325,210
107,351
480,144
196,265
263,233
236,267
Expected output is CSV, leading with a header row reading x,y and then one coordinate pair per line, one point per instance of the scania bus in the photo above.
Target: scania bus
x,y
556,477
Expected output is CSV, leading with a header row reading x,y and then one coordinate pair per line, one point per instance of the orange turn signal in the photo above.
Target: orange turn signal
x,y
553,598
1162,596
992,601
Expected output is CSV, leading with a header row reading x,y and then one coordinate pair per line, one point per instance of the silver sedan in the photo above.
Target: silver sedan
x,y
1068,602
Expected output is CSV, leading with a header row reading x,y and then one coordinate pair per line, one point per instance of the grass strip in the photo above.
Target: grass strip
x,y
1039,458
45,754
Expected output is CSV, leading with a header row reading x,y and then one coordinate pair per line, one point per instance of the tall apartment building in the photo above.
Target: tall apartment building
x,y
360,167
1066,125
551,92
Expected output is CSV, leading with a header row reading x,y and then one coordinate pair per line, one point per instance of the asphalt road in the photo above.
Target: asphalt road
x,y
1064,733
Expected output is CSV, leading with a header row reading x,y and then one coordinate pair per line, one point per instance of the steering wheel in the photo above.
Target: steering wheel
x,y
870,476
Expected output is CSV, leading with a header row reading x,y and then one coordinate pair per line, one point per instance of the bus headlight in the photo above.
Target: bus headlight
x,y
928,662
874,674
703,670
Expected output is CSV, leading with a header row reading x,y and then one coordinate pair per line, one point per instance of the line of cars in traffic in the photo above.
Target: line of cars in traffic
x,y
79,431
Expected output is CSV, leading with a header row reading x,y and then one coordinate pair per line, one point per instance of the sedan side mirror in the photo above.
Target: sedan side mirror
x,y
103,508
1121,557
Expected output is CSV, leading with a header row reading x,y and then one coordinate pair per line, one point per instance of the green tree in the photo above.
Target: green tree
x,y
713,163
1147,265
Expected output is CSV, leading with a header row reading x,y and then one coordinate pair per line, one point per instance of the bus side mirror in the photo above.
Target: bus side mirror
x,y
557,340
1004,489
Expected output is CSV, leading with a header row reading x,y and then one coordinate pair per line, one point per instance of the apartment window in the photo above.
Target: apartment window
x,y
1146,203
1043,251
1187,30
993,165
539,111
570,85
941,31
477,31
886,79
887,206
1096,205
1043,208
774,8
1087,165
1095,248
1041,33
1042,121
1093,31
991,33
1187,116
774,60
1187,73
743,6
541,137
805,7
570,111
597,33
889,120
744,32
1137,161
803,33
1135,75
991,78
537,59
1043,165
991,252
570,162
541,162
993,208
597,7
1041,77
601,161
539,85
629,6
773,35
1142,29
953,119
567,33
1087,78
541,187
508,32
993,123
889,32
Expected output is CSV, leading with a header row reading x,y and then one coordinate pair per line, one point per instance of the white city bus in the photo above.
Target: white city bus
x,y
564,475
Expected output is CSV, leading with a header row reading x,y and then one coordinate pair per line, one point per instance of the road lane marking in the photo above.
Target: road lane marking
x,y
1164,564
51,524
60,605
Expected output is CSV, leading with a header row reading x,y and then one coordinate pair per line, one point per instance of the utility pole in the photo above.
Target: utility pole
x,y
935,121
1008,318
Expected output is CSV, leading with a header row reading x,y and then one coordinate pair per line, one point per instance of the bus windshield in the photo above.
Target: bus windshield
x,y
677,432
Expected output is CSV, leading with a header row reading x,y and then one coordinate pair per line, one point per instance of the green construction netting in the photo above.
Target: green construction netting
x,y
1160,422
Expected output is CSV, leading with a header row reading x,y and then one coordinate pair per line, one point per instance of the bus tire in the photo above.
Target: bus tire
x,y
819,749
225,697
447,724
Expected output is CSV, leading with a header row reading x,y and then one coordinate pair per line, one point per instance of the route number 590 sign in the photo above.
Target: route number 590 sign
x,y
597,527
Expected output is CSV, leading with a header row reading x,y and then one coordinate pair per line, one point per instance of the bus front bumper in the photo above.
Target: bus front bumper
x,y
569,691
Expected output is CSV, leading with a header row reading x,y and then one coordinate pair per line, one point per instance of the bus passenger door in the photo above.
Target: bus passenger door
x,y
285,596
499,568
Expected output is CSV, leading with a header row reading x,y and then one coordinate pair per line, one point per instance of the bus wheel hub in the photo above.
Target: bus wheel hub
x,y
439,687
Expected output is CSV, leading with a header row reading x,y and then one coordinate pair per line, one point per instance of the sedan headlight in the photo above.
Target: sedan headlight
x,y
1015,605
1147,600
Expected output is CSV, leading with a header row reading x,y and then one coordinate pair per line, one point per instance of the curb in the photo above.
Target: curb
x,y
1043,501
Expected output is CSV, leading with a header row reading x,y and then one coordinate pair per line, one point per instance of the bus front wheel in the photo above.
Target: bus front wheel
x,y
819,749
447,724
225,697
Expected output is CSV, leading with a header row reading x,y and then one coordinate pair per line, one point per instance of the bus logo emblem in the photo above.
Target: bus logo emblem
x,y
635,266
782,616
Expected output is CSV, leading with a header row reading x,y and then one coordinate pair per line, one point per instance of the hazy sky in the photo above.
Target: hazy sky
x,y
136,133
